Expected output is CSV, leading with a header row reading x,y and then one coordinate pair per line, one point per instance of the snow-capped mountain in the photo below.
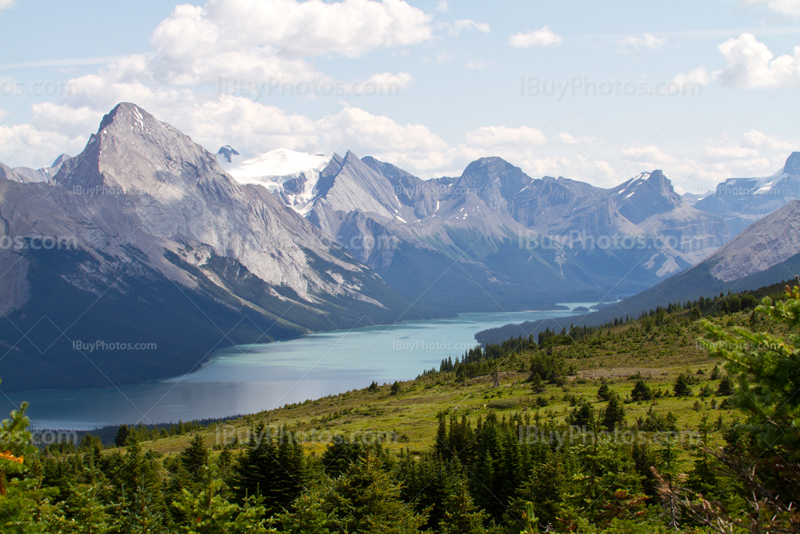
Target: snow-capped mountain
x,y
144,238
513,238
293,176
741,201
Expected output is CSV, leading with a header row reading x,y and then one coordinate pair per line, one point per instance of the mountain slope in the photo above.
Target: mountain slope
x,y
766,252
742,201
143,238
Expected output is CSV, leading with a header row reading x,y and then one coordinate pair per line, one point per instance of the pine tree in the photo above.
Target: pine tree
x,y
641,392
25,505
364,499
271,467
681,387
461,516
726,386
195,458
702,477
122,435
614,414
208,512
88,514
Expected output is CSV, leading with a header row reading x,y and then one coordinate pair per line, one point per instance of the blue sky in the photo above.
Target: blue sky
x,y
593,91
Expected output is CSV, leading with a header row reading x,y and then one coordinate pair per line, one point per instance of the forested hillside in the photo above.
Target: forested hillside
x,y
680,420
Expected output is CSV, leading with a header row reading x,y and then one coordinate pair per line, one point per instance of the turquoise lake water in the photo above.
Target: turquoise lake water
x,y
248,379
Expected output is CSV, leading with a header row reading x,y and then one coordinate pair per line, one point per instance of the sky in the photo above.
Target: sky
x,y
593,91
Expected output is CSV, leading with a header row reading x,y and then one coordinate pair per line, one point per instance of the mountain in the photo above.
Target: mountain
x,y
27,175
741,201
495,239
229,158
766,252
144,239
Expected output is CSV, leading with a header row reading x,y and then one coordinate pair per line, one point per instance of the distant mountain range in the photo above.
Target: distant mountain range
x,y
742,201
493,239
147,238
766,252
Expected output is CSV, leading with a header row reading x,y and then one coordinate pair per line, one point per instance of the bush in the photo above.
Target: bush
x,y
503,404
641,392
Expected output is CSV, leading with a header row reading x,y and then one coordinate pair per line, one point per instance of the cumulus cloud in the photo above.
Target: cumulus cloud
x,y
24,143
697,77
442,5
762,141
568,139
455,28
647,154
502,136
782,7
311,28
542,37
750,64
647,41
271,40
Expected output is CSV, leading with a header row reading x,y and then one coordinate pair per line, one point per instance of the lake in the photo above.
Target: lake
x,y
251,378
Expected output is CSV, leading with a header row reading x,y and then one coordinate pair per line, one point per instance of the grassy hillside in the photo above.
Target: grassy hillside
x,y
598,430
613,355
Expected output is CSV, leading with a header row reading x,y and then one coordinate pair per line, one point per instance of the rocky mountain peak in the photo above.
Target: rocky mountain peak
x,y
133,151
227,152
792,164
661,183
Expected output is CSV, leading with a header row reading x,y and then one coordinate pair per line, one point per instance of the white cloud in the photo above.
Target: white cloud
x,y
73,122
647,41
783,7
5,4
762,141
647,154
750,64
25,145
503,137
567,139
442,6
541,37
289,27
694,78
254,41
455,28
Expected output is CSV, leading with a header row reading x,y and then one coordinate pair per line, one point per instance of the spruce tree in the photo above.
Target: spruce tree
x,y
614,414
461,515
641,392
726,386
195,458
271,467
681,387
